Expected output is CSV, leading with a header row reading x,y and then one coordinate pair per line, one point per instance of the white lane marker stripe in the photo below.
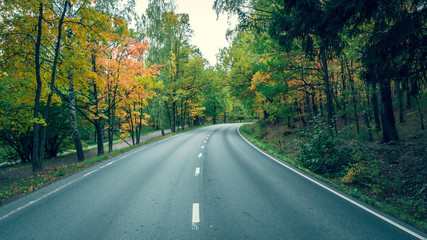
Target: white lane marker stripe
x,y
204,141
196,217
200,155
197,173
336,193
203,146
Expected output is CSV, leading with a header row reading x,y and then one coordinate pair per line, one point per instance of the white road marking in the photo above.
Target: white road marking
x,y
335,192
196,217
200,155
203,146
197,173
89,173
108,164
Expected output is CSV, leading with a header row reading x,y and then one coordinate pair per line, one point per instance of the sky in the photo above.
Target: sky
x,y
209,33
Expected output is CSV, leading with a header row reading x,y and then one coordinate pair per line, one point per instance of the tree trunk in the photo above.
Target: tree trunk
x,y
161,115
307,100
52,82
329,103
405,87
300,113
135,126
420,112
321,110
139,127
375,106
354,93
387,115
173,117
400,100
182,117
368,126
76,135
110,131
111,128
214,113
99,135
134,129
344,104
37,164
99,128
313,102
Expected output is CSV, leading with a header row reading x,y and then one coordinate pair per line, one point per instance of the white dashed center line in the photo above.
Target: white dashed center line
x,y
196,218
200,155
197,173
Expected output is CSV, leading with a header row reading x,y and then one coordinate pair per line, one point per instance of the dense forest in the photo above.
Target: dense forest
x,y
73,70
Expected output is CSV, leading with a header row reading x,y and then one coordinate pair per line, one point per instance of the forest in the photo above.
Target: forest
x,y
73,69
75,72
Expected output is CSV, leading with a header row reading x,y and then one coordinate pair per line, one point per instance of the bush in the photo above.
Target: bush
x,y
322,153
362,169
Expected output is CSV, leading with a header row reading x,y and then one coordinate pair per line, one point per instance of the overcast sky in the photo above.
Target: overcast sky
x,y
209,33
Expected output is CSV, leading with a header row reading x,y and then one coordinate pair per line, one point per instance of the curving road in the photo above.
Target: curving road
x,y
207,183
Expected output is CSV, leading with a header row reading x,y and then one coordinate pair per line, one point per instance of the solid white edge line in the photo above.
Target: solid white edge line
x,y
89,173
335,192
196,217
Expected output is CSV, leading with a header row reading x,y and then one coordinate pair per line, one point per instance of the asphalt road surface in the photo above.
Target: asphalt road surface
x,y
207,183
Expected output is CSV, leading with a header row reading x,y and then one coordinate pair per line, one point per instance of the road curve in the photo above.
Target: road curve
x,y
207,183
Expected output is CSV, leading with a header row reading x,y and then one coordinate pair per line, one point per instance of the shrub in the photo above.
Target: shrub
x,y
362,169
322,153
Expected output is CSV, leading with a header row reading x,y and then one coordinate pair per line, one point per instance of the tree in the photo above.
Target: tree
x,y
178,30
289,21
17,31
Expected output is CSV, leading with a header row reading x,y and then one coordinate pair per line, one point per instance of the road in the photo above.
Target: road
x,y
207,183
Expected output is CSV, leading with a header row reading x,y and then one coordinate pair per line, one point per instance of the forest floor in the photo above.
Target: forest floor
x,y
18,172
390,176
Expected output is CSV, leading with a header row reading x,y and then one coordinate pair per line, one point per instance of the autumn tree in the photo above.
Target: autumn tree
x,y
47,36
